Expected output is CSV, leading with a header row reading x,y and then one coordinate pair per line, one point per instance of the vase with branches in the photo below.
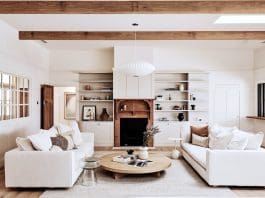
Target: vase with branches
x,y
149,134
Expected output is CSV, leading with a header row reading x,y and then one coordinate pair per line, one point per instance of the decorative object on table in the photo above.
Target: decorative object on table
x,y
169,97
158,107
193,107
181,116
130,151
192,97
148,135
181,87
69,106
176,153
185,107
176,107
104,116
89,112
163,119
87,87
159,97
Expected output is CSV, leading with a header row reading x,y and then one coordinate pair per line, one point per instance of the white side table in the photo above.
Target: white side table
x,y
176,153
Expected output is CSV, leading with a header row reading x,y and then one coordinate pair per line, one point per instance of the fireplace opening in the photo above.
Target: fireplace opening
x,y
131,131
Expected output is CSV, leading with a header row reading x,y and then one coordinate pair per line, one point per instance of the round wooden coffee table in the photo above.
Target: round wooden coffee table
x,y
159,163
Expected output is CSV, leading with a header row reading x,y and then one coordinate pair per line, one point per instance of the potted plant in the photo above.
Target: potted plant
x,y
147,136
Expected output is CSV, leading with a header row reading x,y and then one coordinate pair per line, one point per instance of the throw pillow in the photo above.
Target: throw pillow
x,y
60,141
52,131
200,141
63,128
56,148
254,139
77,138
24,144
41,141
70,142
238,142
220,140
200,131
220,129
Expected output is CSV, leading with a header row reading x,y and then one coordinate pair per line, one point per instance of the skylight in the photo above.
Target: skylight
x,y
241,19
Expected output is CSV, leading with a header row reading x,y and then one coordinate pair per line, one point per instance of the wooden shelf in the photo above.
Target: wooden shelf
x,y
168,101
97,81
256,117
96,100
96,91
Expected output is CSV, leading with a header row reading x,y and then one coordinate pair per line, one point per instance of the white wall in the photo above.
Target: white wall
x,y
65,64
59,104
29,59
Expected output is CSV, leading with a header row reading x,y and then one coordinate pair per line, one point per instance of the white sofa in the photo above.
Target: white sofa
x,y
225,167
46,168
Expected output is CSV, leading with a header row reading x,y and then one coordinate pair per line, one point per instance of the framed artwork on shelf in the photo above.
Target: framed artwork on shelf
x,y
69,106
89,113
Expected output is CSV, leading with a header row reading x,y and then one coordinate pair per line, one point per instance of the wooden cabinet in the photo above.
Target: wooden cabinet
x,y
103,132
168,130
129,87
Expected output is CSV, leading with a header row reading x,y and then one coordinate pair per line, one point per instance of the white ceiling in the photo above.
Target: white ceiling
x,y
118,22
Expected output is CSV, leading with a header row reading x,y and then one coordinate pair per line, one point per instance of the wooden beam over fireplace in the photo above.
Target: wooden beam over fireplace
x,y
134,7
143,35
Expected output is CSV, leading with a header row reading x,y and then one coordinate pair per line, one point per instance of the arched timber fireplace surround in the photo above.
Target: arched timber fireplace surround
x,y
130,120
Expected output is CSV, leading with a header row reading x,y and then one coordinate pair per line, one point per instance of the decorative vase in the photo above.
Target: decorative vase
x,y
181,116
104,116
175,154
181,87
143,153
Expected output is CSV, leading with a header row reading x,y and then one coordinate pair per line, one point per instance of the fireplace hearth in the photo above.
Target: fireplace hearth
x,y
131,117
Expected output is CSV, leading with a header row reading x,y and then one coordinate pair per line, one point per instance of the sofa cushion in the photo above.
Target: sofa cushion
x,y
200,141
60,141
238,142
24,144
198,153
254,139
41,141
77,138
200,131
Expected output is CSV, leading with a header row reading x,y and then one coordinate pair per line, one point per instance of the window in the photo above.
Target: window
x,y
14,96
261,99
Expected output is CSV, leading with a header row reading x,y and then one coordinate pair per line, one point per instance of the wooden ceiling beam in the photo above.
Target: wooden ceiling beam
x,y
144,35
134,7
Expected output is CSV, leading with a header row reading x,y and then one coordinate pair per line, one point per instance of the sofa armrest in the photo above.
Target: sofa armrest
x,y
36,168
87,136
234,167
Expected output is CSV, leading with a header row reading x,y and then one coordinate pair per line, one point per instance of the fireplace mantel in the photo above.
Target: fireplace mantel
x,y
126,108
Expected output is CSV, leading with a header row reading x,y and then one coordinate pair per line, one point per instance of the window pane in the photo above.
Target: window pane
x,y
14,97
26,99
20,83
20,113
13,82
26,84
7,97
14,112
21,98
26,110
6,81
6,113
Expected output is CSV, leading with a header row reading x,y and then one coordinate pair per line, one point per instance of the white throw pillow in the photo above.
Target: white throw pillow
x,y
41,141
63,129
220,140
254,139
56,148
24,144
77,138
238,142
53,132
220,129
200,141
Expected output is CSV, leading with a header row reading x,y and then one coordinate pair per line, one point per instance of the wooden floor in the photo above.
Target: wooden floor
x,y
34,193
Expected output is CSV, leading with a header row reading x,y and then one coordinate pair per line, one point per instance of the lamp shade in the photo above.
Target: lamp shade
x,y
137,68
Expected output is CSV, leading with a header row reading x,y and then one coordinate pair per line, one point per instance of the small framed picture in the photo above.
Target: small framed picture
x,y
69,106
89,112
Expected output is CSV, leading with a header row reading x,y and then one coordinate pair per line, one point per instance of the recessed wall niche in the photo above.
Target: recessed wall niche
x,y
14,96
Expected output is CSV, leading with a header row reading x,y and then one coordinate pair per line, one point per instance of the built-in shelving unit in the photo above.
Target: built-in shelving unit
x,y
186,93
96,89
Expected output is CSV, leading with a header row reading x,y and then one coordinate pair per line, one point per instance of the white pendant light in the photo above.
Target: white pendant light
x,y
136,68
